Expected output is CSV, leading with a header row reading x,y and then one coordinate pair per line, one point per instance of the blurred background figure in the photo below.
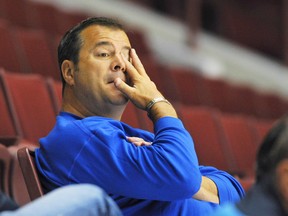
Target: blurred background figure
x,y
269,195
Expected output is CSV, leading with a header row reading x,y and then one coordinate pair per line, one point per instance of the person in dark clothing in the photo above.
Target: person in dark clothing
x,y
269,195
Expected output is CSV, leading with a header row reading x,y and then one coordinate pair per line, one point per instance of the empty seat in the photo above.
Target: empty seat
x,y
217,93
5,166
55,90
160,76
203,125
242,100
242,141
9,57
270,106
18,12
9,129
70,19
26,159
49,17
17,187
188,84
130,116
35,49
33,107
262,127
145,121
138,42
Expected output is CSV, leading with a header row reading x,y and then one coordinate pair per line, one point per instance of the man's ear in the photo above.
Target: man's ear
x,y
68,70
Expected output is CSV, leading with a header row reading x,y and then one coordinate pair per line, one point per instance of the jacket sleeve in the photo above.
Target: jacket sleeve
x,y
229,189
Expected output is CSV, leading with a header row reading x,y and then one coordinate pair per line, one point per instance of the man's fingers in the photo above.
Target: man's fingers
x,y
137,63
135,67
123,87
138,141
142,143
130,69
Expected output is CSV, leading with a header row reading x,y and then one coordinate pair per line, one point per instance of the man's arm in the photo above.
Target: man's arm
x,y
141,93
208,190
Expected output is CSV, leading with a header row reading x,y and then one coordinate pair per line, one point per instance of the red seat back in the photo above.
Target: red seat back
x,y
203,125
242,140
32,103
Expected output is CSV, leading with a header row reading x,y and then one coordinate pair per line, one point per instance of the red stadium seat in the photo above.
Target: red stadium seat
x,y
217,93
130,116
9,57
18,12
36,50
33,107
55,90
188,86
10,129
26,158
262,127
138,42
204,127
271,106
242,141
5,166
17,187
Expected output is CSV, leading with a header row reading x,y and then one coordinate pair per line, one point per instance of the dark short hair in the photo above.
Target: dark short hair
x,y
273,149
71,42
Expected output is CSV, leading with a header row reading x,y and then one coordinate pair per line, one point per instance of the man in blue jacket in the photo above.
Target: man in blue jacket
x,y
145,173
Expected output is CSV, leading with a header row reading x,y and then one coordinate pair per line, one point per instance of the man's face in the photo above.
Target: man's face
x,y
100,62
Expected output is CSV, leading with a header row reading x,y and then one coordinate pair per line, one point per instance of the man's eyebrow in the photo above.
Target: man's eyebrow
x,y
101,43
127,48
107,43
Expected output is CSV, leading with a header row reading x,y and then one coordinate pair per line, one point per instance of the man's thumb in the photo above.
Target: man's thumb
x,y
121,85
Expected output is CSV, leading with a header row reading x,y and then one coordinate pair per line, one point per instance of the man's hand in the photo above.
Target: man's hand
x,y
141,90
138,141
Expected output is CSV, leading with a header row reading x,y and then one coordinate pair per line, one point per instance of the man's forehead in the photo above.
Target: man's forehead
x,y
97,32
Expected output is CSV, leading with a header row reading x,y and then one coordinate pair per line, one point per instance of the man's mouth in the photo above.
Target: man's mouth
x,y
112,81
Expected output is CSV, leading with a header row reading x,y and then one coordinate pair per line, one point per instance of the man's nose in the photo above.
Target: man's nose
x,y
118,63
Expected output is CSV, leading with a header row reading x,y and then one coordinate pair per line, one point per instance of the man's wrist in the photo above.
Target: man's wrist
x,y
154,101
155,112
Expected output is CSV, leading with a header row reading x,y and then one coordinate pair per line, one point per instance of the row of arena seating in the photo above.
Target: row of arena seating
x,y
38,15
191,88
31,47
34,51
227,122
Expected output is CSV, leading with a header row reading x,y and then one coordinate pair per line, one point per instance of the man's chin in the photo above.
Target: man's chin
x,y
121,100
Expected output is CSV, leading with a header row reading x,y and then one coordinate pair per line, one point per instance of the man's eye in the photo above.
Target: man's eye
x,y
127,57
103,54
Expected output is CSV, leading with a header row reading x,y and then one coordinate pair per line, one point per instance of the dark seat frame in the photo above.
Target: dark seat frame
x,y
26,158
